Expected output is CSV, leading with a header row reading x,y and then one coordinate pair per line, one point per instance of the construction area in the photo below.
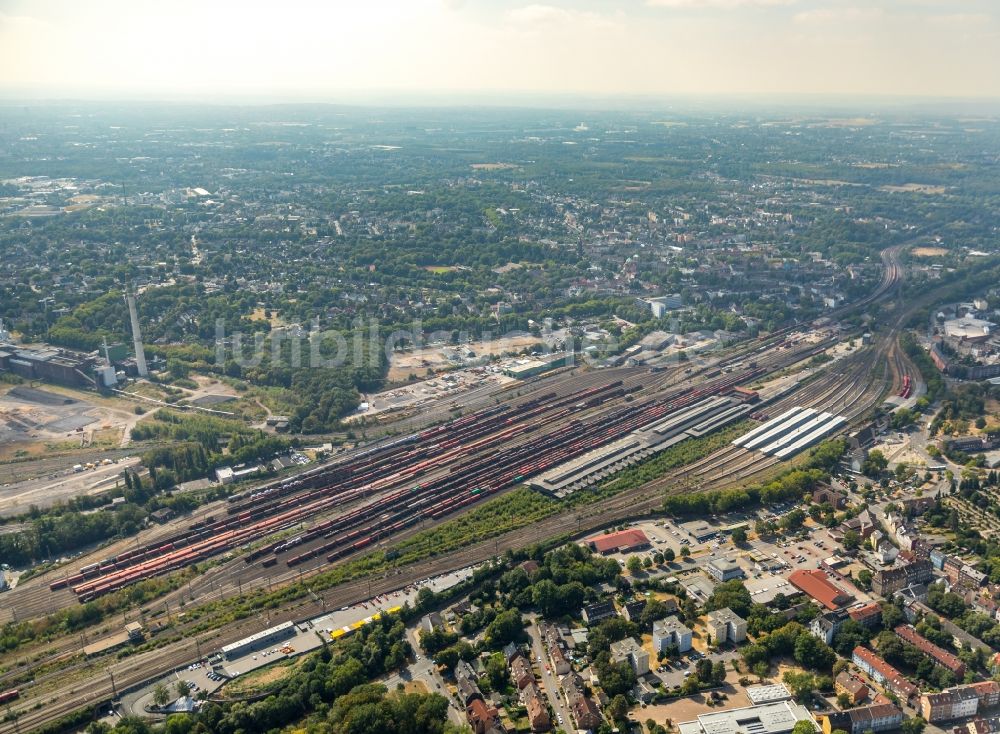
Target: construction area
x,y
30,415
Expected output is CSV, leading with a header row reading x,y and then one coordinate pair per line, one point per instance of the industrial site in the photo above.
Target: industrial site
x,y
364,433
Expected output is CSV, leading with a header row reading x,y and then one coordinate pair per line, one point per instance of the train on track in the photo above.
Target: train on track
x,y
398,484
907,387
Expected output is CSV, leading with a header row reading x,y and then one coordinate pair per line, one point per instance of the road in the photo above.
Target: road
x,y
423,669
549,681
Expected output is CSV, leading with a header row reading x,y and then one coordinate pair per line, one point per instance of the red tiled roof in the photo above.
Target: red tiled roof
x,y
622,540
866,612
940,655
816,584
894,679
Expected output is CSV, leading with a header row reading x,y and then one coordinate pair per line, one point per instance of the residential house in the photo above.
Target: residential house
x,y
468,691
431,622
726,626
959,701
594,613
870,615
671,631
940,656
483,719
852,686
464,670
825,625
631,652
883,673
875,718
887,581
584,709
560,663
537,707
633,610
520,672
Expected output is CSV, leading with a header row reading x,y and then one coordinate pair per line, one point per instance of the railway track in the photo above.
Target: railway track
x,y
627,504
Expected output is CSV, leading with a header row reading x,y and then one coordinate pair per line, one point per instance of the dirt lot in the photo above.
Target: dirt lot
x,y
40,419
928,251
447,356
688,709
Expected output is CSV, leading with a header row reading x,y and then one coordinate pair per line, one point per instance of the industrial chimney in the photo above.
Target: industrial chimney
x,y
140,356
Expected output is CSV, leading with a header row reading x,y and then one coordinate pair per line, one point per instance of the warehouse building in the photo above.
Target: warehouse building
x,y
260,640
624,541
817,585
525,368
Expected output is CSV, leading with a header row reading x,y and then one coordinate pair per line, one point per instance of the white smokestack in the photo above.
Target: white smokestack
x,y
140,356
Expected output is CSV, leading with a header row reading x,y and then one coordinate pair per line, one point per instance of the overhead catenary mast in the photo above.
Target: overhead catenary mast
x,y
140,355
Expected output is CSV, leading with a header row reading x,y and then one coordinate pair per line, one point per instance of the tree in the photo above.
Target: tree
x,y
161,695
844,700
616,678
703,669
864,579
132,725
813,652
875,464
183,688
634,565
690,685
913,725
668,555
793,520
804,727
685,551
801,684
618,708
740,535
506,627
719,673
851,541
496,671
653,611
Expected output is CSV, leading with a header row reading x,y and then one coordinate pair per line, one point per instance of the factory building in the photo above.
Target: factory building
x,y
48,363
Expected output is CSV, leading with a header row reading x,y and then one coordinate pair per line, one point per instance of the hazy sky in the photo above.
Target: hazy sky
x,y
327,50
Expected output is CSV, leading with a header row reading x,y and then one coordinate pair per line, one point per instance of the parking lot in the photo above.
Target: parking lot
x,y
673,673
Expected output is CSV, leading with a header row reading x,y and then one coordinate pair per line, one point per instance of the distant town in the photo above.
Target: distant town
x,y
342,419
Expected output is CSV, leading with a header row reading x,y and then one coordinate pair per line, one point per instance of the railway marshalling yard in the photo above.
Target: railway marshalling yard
x,y
379,495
